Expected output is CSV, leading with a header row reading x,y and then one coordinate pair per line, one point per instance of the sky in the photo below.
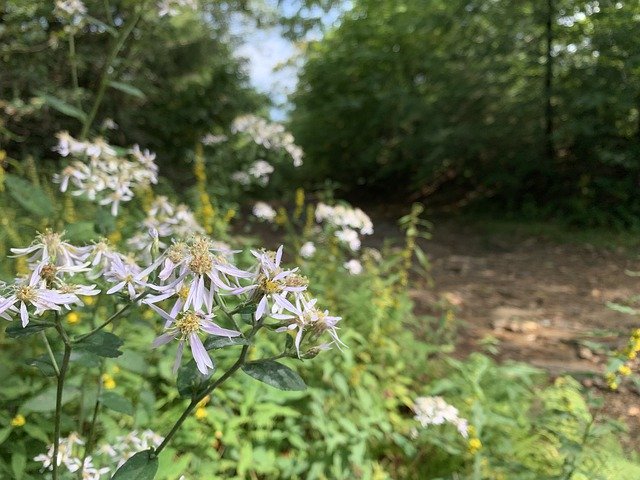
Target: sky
x,y
267,51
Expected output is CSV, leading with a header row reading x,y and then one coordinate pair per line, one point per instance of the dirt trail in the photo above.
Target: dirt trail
x,y
541,300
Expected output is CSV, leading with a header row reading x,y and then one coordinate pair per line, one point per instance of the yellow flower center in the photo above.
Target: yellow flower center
x,y
201,263
269,286
18,421
26,293
188,323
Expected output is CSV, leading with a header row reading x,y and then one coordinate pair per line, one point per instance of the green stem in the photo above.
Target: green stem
x,y
50,352
104,78
89,445
73,60
195,400
61,377
111,318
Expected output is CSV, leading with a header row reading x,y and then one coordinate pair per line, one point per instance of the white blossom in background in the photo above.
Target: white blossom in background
x,y
243,178
270,135
344,216
169,221
70,457
124,447
264,211
172,8
436,411
349,237
109,124
210,139
353,266
100,174
71,11
261,170
307,250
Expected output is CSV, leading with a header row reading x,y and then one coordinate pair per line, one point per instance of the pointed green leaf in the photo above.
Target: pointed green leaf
x,y
191,381
44,364
274,374
63,107
103,344
142,466
29,196
117,403
16,330
213,343
127,88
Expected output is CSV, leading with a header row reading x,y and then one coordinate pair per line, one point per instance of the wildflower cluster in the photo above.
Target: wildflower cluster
x,y
271,136
624,361
169,221
72,12
47,287
101,174
70,457
436,411
172,8
347,225
112,456
259,171
264,211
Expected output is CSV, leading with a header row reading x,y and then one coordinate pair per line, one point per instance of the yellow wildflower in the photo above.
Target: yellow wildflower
x,y
108,382
201,413
18,421
624,370
474,445
73,318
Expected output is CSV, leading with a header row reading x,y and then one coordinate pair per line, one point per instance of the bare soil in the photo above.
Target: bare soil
x,y
541,302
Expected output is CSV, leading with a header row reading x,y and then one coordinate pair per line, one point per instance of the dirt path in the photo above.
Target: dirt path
x,y
543,301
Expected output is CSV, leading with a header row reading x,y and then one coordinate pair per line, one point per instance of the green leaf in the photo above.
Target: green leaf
x,y
117,403
63,107
44,364
105,222
4,434
16,330
142,466
128,89
46,401
274,374
29,196
18,464
191,381
103,344
213,343
36,432
80,232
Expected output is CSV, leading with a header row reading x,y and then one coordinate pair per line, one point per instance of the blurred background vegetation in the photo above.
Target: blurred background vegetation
x,y
517,109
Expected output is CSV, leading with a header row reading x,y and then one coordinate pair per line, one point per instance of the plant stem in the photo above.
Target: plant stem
x,y
104,78
61,376
111,318
50,352
89,445
196,400
73,60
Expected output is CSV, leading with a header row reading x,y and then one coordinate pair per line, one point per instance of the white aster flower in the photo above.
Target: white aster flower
x,y
436,411
264,211
307,250
353,266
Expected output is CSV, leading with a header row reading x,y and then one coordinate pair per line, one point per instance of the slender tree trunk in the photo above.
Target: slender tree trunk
x,y
548,85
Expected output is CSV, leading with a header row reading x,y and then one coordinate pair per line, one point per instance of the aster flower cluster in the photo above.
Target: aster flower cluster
x,y
72,12
258,172
114,454
169,221
172,8
264,211
70,457
47,287
271,136
124,447
101,174
436,411
348,225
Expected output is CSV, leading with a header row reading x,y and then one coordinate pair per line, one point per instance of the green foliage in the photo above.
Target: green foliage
x,y
448,99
